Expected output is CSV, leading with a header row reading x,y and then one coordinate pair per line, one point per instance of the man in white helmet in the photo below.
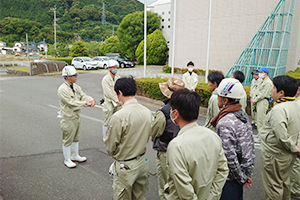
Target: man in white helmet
x,y
111,103
71,99
235,130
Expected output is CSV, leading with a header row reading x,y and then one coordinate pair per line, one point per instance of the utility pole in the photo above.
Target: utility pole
x,y
27,44
54,9
103,14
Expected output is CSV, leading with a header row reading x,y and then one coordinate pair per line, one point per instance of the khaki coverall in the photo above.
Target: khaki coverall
x,y
110,95
253,91
243,101
212,110
196,163
127,137
157,129
295,175
190,81
70,104
262,104
278,147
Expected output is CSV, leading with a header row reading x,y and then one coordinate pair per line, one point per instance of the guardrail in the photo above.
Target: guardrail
x,y
15,63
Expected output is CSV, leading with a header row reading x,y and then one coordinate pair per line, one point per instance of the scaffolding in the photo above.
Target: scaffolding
x,y
269,47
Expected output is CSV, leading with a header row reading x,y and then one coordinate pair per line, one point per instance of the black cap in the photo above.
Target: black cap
x,y
255,72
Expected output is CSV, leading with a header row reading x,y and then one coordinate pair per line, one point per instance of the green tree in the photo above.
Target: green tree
x,y
131,30
110,45
79,49
62,50
157,49
94,49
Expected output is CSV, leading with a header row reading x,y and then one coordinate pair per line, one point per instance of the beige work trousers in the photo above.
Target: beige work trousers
x,y
131,182
71,130
295,178
161,159
253,115
276,170
261,111
108,111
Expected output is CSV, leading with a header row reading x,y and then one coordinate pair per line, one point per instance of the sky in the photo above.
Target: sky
x,y
148,1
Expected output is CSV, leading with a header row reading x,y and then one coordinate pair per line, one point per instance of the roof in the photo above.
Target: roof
x,y
158,2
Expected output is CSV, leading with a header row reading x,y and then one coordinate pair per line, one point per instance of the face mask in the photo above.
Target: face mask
x,y
190,69
114,71
261,75
173,120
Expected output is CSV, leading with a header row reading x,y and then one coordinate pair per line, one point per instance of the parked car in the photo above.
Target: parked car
x,y
84,63
124,61
102,61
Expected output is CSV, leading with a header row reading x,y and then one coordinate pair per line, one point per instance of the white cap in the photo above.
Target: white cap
x,y
231,88
69,71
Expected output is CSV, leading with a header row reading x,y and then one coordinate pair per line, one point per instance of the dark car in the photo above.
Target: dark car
x,y
124,61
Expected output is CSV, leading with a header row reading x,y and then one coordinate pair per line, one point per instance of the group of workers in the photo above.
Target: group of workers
x,y
214,161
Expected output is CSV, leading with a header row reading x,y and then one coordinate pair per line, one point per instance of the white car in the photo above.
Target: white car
x,y
84,63
102,61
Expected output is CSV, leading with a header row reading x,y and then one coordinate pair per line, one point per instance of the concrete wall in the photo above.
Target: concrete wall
x,y
233,25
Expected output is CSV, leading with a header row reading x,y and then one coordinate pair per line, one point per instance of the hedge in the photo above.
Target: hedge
x,y
66,59
149,87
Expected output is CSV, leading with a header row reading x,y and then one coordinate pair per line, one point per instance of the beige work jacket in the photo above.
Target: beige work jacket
x,y
71,102
129,131
212,110
108,84
264,89
197,166
190,81
281,129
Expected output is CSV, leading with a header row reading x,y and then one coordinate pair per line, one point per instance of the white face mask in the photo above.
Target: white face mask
x,y
190,69
261,75
173,120
114,71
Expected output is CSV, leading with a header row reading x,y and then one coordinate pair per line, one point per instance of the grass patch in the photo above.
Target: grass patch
x,y
23,69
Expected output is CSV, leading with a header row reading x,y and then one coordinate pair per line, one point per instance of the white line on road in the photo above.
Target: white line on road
x,y
81,115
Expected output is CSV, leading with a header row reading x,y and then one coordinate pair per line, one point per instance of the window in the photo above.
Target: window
x,y
169,12
169,19
162,27
162,20
169,26
163,13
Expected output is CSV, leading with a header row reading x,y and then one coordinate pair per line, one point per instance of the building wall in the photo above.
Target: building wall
x,y
163,10
233,25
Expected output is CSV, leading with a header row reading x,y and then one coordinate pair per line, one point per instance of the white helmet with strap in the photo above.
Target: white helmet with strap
x,y
112,63
69,71
231,88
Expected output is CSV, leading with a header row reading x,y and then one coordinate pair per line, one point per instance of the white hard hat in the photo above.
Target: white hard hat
x,y
231,88
112,63
69,71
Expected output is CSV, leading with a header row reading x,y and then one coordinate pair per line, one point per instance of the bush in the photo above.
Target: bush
x,y
66,59
295,74
149,87
156,49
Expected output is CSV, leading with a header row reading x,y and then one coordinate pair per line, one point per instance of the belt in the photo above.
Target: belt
x,y
134,157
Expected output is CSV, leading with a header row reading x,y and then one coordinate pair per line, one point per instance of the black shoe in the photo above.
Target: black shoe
x,y
254,126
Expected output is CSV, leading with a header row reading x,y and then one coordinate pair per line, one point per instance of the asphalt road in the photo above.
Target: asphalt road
x,y
31,159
